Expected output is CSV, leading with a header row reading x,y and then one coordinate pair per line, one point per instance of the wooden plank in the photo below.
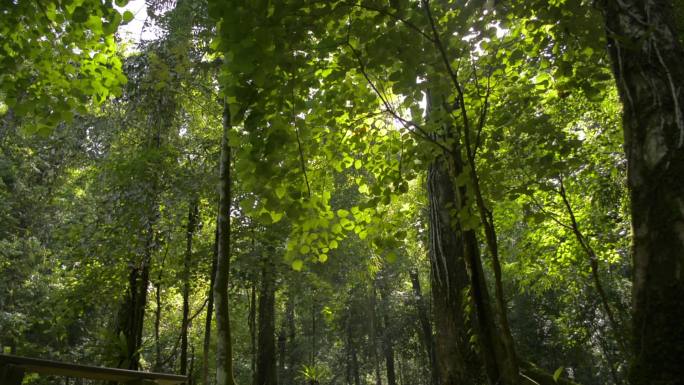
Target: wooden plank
x,y
41,366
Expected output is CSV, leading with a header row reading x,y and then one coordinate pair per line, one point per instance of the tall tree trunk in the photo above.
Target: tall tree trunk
x,y
449,280
647,57
210,310
292,358
157,315
352,359
374,334
282,353
425,326
132,312
252,320
157,324
492,351
191,369
252,323
266,373
193,213
314,336
387,343
224,348
355,365
506,363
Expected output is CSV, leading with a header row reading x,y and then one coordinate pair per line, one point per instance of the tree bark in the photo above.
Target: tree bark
x,y
647,57
387,343
224,348
282,352
157,317
252,323
266,371
352,359
210,310
193,213
425,326
293,357
374,335
132,312
449,280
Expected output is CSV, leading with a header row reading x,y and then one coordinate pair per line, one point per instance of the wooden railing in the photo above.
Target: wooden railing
x,y
13,368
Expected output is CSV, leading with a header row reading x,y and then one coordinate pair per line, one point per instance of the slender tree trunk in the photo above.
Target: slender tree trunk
x,y
507,359
352,359
210,310
282,353
347,351
374,335
266,373
193,213
224,349
425,326
387,343
251,321
314,336
647,56
292,358
157,324
191,370
157,316
594,266
355,365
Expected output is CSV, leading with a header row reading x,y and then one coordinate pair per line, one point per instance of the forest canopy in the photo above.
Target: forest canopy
x,y
393,192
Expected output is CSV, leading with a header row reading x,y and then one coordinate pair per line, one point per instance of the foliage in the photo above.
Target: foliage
x,y
336,110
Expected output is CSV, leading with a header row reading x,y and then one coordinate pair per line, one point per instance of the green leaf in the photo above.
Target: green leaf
x,y
358,164
80,14
557,373
276,216
297,264
322,258
128,16
347,224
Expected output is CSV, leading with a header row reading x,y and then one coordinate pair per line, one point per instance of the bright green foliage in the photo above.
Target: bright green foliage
x,y
337,109
56,57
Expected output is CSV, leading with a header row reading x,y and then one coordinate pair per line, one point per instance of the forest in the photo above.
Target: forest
x,y
344,192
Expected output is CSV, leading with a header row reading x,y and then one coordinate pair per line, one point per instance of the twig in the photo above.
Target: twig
x,y
299,143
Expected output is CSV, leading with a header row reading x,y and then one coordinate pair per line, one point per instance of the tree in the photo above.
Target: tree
x,y
645,46
360,148
224,350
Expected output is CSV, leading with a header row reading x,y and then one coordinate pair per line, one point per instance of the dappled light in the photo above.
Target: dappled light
x,y
341,192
